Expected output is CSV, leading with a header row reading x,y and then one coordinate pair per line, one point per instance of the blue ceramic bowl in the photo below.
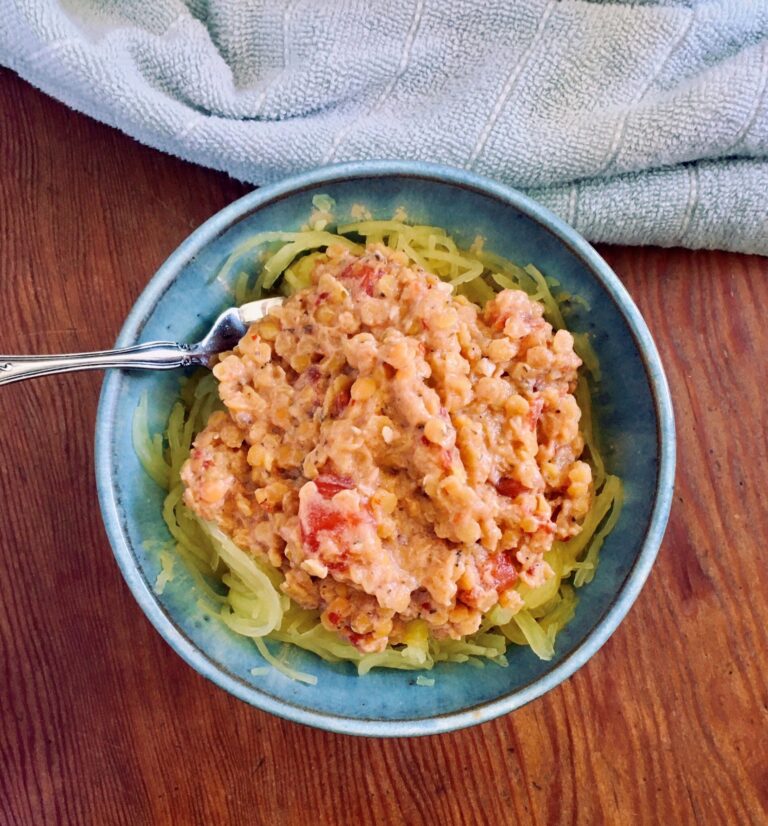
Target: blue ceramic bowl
x,y
634,411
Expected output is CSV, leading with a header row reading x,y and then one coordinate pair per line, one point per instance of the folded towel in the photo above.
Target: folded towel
x,y
641,123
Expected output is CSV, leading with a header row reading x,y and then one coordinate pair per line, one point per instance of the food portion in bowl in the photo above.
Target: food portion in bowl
x,y
403,469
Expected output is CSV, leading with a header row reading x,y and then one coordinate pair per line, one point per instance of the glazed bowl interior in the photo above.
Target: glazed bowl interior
x,y
632,408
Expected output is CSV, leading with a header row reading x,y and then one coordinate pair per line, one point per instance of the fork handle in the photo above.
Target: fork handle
x,y
153,355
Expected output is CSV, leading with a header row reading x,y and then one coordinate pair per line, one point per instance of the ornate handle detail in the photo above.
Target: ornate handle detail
x,y
155,355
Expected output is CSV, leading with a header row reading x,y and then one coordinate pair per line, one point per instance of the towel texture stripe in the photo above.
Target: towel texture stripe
x,y
640,123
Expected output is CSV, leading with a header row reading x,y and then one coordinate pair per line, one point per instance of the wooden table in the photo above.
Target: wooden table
x,y
101,723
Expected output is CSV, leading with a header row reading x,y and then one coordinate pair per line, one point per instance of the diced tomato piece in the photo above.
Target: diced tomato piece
x,y
321,518
364,274
503,570
507,486
333,618
320,515
329,484
339,404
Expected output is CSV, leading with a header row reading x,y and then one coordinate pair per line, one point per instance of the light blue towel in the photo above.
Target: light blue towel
x,y
637,123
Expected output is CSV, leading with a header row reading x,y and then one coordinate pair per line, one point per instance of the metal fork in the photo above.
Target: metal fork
x,y
226,331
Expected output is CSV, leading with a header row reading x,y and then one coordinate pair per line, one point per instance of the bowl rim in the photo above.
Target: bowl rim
x,y
629,589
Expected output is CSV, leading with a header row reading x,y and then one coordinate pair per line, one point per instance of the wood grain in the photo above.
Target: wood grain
x,y
102,723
